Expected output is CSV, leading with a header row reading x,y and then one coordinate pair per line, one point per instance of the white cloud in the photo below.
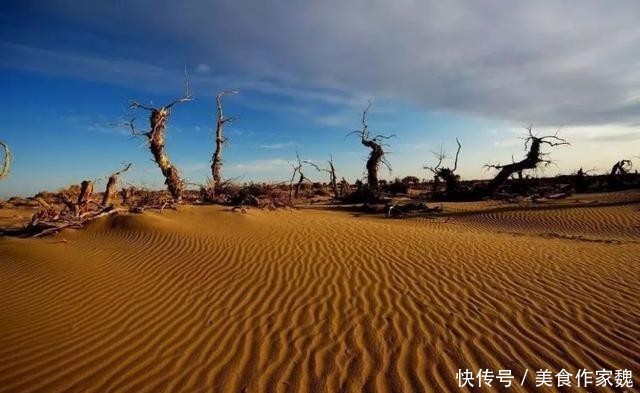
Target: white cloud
x,y
268,165
280,145
203,68
548,62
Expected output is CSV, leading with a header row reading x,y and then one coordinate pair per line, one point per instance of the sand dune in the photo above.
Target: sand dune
x,y
321,301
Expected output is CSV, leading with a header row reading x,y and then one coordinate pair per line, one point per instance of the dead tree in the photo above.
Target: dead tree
x,y
112,184
81,204
6,162
332,175
76,214
344,187
126,194
534,157
155,137
618,172
216,160
443,173
377,155
297,170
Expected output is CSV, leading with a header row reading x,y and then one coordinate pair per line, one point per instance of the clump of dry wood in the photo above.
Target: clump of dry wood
x,y
261,196
75,213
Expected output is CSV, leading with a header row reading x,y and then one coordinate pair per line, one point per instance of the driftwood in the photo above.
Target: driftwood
x,y
401,210
49,222
156,138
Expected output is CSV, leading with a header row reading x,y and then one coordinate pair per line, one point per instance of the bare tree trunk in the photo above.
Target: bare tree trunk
x,y
6,163
112,185
373,163
344,187
617,173
155,136
298,186
297,169
332,174
376,157
158,122
216,160
334,182
446,174
86,192
127,194
84,197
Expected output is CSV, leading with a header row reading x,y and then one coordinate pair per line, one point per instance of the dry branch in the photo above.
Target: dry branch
x,y
332,174
443,173
297,170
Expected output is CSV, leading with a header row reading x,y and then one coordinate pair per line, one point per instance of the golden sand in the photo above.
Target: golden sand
x,y
322,301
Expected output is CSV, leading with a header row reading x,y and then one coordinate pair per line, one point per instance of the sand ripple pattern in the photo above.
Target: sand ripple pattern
x,y
208,301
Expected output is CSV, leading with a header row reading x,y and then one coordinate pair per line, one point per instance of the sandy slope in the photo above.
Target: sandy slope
x,y
208,300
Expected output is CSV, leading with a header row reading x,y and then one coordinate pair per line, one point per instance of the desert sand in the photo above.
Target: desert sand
x,y
321,300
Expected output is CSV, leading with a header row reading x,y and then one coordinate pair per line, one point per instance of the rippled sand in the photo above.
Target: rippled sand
x,y
322,301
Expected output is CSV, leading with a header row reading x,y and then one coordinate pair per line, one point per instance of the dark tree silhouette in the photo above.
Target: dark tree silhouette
x,y
444,173
377,155
618,171
532,160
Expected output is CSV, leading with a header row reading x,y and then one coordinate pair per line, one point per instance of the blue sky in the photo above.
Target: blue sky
x,y
305,71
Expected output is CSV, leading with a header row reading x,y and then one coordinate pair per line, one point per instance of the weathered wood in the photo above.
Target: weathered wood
x,y
156,138
6,161
220,140
533,158
112,184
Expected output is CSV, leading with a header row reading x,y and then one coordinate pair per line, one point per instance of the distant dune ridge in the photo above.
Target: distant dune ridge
x,y
321,301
